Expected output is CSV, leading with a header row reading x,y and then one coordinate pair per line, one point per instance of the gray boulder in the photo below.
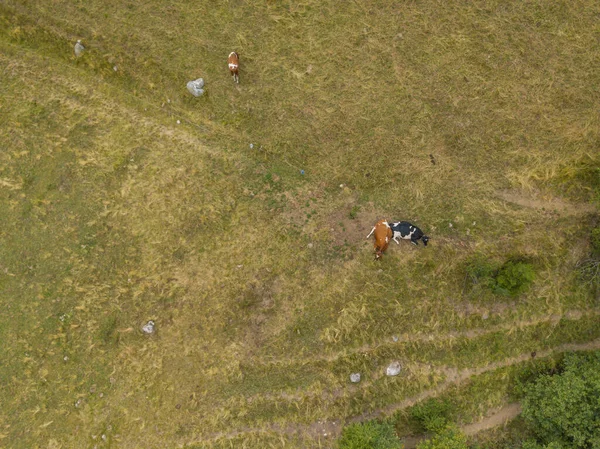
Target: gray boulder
x,y
196,87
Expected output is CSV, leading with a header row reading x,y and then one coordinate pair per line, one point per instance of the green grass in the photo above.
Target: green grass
x,y
263,287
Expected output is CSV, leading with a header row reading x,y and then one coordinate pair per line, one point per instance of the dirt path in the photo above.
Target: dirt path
x,y
536,201
501,417
469,334
457,377
327,429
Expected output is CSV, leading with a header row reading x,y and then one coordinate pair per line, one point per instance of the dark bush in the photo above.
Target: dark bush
x,y
529,444
514,277
564,409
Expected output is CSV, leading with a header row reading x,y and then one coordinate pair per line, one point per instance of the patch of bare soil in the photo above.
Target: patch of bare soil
x,y
348,225
501,417
548,204
411,442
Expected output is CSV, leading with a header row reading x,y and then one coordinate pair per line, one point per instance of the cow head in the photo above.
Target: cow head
x,y
425,239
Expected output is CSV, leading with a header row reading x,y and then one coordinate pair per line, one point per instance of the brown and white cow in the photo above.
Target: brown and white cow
x,y
234,63
383,235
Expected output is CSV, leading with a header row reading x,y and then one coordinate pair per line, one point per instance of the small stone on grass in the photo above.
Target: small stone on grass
x,y
149,327
394,369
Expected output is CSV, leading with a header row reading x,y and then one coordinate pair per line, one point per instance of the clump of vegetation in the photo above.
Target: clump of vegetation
x,y
510,279
514,277
564,409
530,444
432,415
369,435
354,212
448,438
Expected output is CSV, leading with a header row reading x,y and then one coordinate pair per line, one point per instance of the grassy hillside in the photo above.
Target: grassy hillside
x,y
125,199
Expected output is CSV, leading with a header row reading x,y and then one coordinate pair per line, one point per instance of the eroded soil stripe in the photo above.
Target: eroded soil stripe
x,y
408,338
332,428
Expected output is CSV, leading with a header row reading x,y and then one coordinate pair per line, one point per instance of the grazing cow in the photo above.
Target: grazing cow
x,y
383,235
234,62
407,231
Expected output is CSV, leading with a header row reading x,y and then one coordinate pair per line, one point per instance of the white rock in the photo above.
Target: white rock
x,y
394,369
355,377
79,48
148,328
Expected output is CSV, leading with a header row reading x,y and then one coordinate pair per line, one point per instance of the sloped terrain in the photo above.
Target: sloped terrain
x,y
125,200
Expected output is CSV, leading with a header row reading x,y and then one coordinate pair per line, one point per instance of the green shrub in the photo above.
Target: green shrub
x,y
533,370
514,277
535,445
432,415
369,435
448,438
565,408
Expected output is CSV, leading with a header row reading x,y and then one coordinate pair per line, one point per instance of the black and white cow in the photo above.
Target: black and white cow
x,y
407,231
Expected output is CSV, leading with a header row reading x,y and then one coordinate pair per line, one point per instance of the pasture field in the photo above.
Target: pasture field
x,y
124,199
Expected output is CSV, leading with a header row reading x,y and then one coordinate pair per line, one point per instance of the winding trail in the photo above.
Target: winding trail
x,y
326,429
536,201
500,417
